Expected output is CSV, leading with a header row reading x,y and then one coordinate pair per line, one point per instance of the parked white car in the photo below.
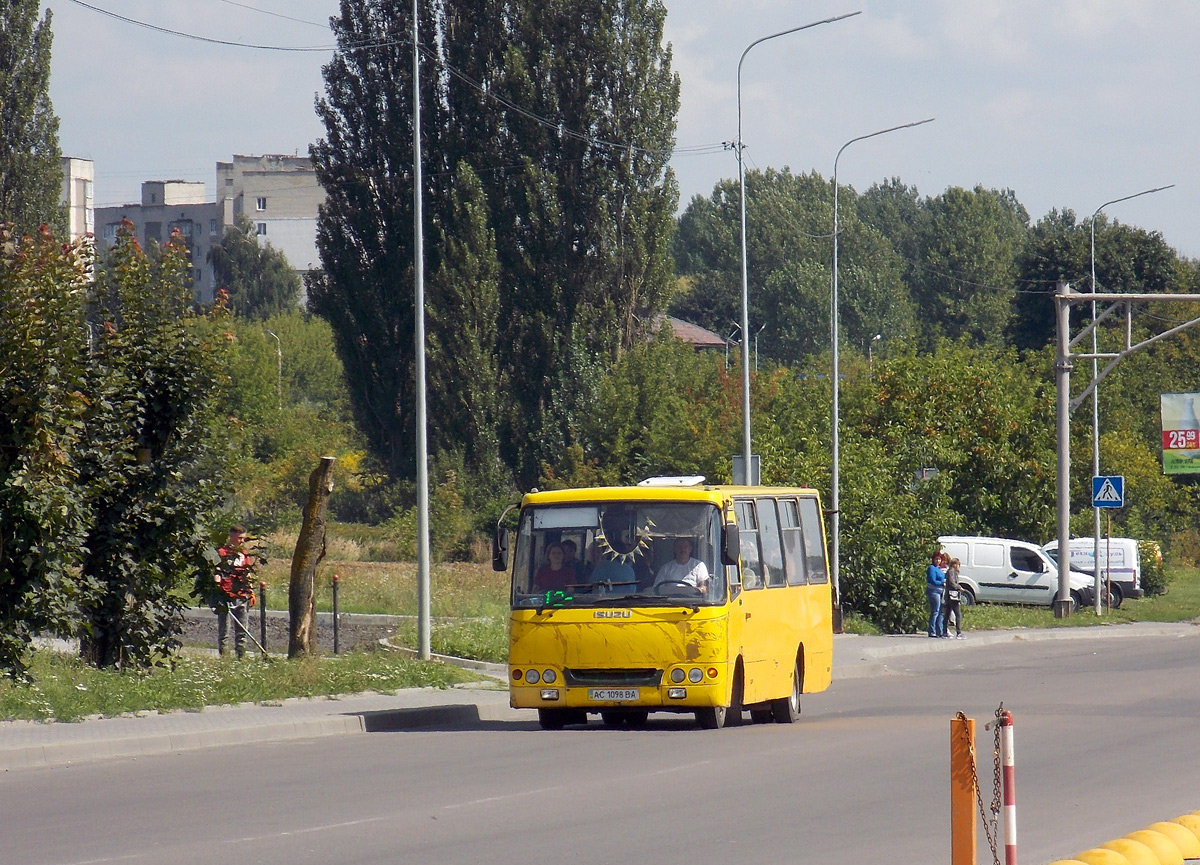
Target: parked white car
x,y
1119,561
1004,571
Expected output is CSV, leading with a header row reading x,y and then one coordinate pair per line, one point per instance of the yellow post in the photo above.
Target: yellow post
x,y
962,790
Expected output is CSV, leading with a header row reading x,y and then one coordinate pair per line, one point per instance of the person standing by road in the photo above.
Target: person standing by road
x,y
234,590
935,583
952,606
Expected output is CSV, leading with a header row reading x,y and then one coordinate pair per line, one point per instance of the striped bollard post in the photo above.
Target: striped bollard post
x,y
1009,785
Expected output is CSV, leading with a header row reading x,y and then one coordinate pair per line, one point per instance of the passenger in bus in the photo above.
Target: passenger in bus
x,y
683,568
555,575
569,554
612,570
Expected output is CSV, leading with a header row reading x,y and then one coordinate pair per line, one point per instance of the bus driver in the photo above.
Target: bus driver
x,y
683,568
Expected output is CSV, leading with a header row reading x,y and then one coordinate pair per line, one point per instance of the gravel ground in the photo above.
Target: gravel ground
x,y
200,629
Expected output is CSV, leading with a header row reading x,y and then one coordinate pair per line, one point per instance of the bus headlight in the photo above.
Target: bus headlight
x,y
677,676
532,677
549,677
695,675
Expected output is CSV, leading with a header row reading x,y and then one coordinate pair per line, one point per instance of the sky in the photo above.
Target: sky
x,y
1069,103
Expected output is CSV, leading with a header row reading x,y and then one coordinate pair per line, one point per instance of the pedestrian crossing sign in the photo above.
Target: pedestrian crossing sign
x,y
1108,491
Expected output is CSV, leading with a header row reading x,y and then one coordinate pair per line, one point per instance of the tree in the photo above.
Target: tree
x,y
967,270
30,166
152,468
566,111
258,279
43,342
789,259
365,225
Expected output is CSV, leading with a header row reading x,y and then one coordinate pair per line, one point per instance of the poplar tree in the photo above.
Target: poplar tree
x,y
30,161
566,109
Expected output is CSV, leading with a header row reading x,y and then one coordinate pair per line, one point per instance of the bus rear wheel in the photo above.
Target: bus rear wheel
x,y
786,710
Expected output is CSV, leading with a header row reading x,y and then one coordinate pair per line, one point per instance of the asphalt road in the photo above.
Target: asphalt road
x,y
1106,743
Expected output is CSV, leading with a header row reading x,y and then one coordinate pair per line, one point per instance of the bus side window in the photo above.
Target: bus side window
x,y
748,528
772,549
793,542
814,540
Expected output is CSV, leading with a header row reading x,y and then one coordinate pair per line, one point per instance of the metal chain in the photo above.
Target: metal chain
x,y
989,826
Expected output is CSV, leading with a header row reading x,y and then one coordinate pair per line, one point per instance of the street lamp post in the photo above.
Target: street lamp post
x,y
1096,408
279,377
870,350
835,479
745,325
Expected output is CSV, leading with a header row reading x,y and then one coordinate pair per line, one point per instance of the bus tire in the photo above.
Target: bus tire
x,y
787,709
552,719
716,717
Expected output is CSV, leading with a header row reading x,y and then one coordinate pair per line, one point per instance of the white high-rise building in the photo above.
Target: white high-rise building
x,y
78,194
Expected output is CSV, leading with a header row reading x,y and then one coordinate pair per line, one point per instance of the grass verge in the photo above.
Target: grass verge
x,y
64,689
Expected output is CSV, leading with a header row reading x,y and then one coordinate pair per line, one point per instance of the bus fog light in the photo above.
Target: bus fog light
x,y
532,677
549,693
677,693
549,677
677,676
694,675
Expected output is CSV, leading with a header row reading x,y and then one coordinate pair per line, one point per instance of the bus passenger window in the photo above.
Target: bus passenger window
x,y
814,541
772,550
793,542
748,528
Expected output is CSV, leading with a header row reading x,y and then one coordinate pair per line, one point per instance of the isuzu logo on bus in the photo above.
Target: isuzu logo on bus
x,y
612,614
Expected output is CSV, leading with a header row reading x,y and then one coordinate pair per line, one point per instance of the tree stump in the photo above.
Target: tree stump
x,y
310,549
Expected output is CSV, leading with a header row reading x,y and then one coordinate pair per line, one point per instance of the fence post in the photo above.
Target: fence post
x,y
262,614
962,790
1009,783
336,580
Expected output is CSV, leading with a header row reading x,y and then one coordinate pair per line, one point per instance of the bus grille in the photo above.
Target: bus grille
x,y
612,678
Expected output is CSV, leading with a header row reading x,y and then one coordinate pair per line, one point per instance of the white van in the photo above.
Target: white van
x,y
1118,557
1005,571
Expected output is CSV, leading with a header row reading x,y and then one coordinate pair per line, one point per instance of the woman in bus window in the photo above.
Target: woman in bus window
x,y
555,575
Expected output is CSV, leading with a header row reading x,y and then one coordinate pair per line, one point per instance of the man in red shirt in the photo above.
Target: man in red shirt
x,y
234,579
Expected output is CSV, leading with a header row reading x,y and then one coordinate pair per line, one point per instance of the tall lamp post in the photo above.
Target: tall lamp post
x,y
423,580
279,377
835,479
1066,556
745,325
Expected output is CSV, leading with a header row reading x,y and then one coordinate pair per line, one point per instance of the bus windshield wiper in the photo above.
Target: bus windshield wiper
x,y
647,600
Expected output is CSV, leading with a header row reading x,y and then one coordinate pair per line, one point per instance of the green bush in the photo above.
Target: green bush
x,y
1154,578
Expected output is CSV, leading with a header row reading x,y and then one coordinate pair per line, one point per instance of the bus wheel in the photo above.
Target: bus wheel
x,y
552,719
716,717
787,709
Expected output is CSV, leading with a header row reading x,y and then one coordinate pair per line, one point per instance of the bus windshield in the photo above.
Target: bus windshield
x,y
619,554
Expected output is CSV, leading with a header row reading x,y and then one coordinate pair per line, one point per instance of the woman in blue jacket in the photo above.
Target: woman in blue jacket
x,y
935,583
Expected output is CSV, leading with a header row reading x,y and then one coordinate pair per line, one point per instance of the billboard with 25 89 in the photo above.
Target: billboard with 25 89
x,y
1180,433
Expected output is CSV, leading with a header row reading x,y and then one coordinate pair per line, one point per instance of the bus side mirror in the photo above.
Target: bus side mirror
x,y
500,550
731,545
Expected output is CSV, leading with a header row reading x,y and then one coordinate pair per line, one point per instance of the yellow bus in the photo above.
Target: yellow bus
x,y
668,596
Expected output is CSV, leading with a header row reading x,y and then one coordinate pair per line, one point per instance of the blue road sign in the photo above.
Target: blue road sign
x,y
1108,491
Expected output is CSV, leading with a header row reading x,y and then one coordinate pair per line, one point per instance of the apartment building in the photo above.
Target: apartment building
x,y
78,193
167,206
280,196
278,193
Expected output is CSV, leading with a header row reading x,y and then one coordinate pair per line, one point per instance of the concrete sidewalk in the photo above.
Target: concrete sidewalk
x,y
26,744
